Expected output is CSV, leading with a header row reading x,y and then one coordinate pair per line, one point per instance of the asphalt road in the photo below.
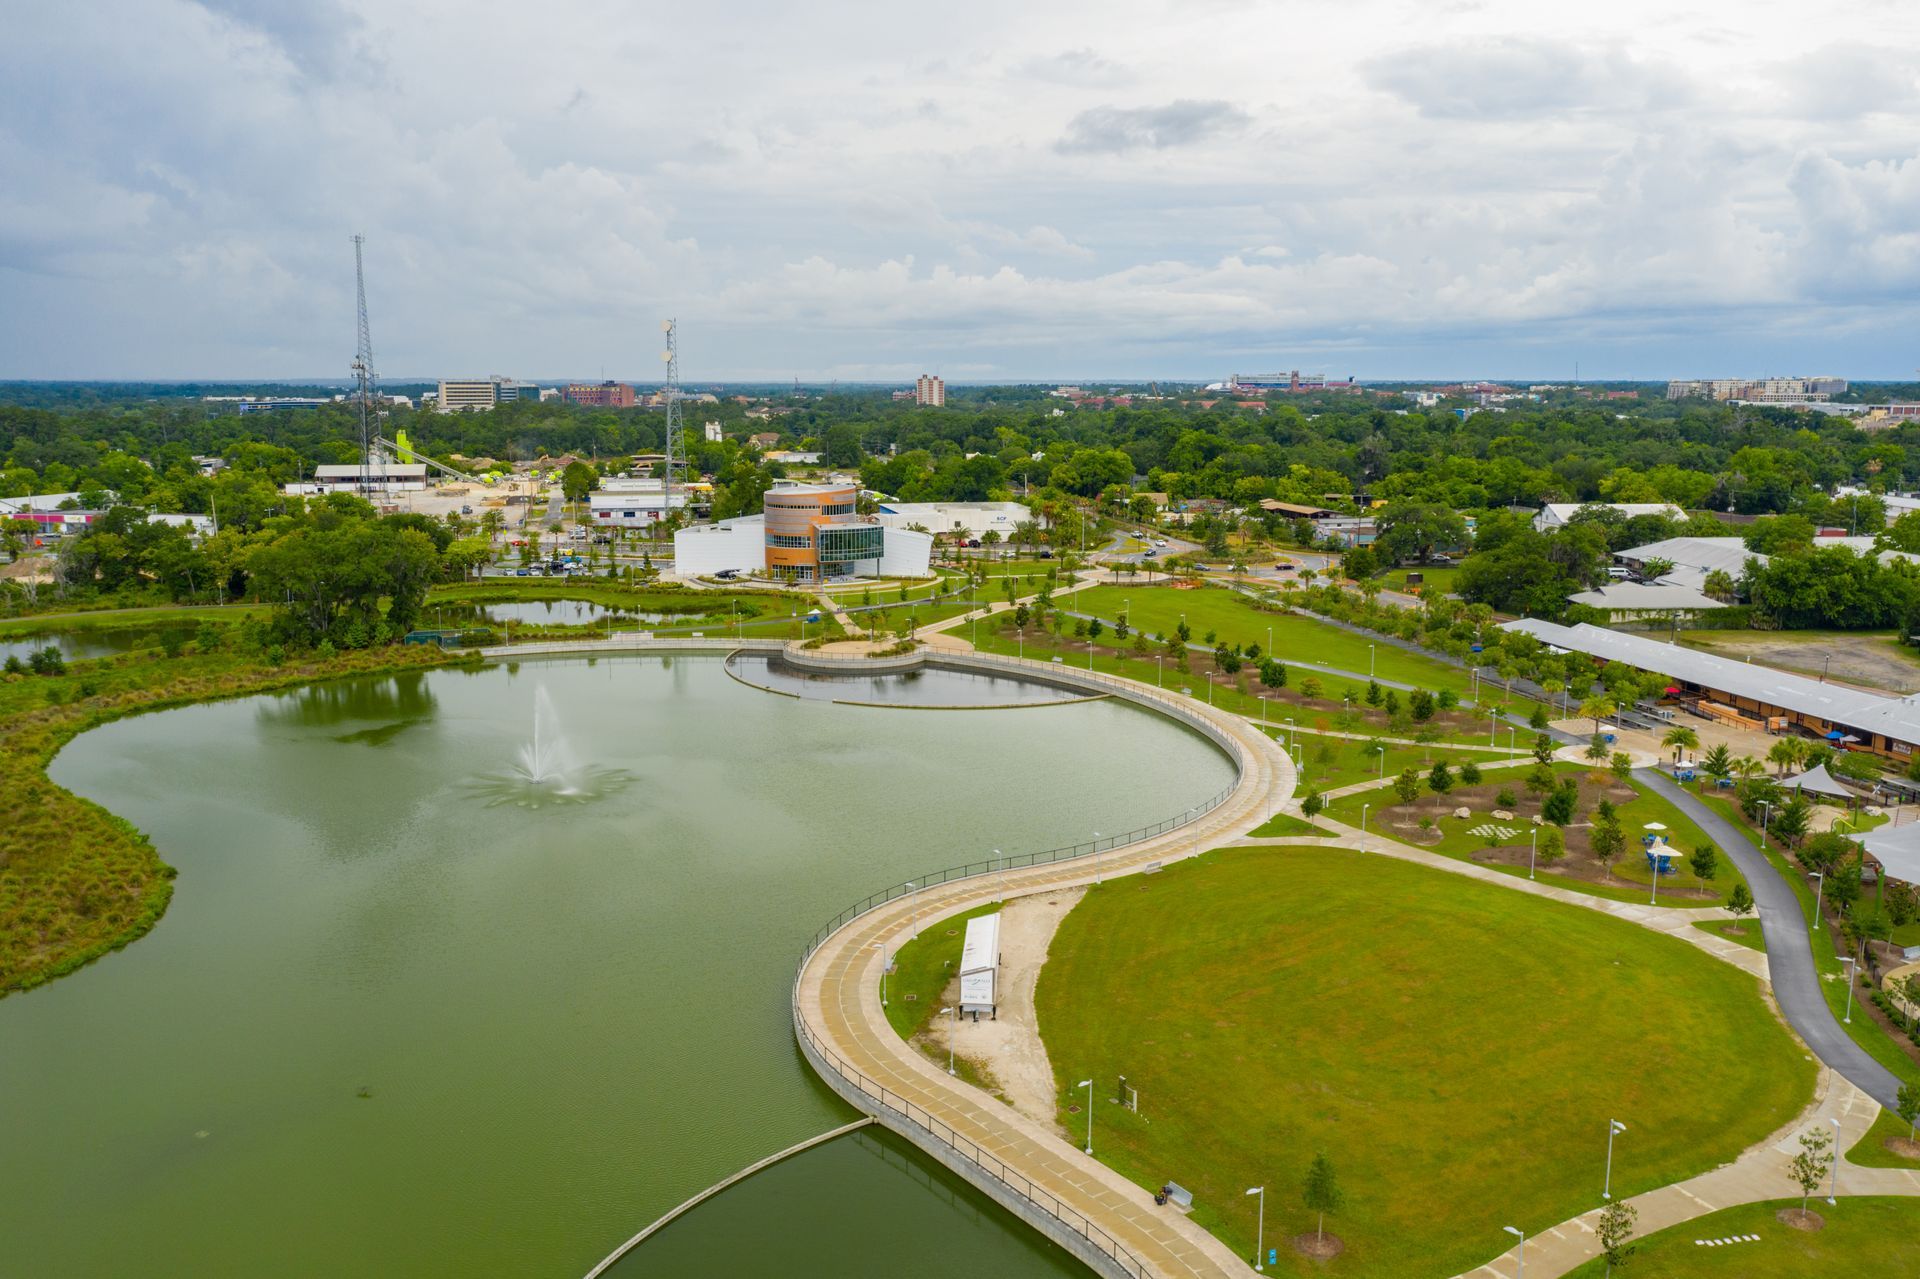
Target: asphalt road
x,y
1796,986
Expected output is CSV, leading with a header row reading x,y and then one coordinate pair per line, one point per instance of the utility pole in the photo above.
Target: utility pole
x,y
366,381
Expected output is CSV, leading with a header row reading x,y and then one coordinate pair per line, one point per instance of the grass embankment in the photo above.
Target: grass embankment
x,y
120,619
1284,824
1630,878
923,969
1871,1235
1454,1048
75,880
1300,641
1864,1028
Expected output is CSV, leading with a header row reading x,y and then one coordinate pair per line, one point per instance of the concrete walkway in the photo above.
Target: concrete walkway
x,y
1024,1163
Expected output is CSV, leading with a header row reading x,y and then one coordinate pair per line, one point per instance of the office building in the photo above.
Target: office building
x,y
712,431
476,394
1768,390
930,391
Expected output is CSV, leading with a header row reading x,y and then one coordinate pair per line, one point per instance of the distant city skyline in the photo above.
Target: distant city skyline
x,y
1497,189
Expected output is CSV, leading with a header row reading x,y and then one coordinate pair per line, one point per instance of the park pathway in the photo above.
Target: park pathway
x,y
843,1030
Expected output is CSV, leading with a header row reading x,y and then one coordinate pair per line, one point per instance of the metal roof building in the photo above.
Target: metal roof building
x,y
1887,725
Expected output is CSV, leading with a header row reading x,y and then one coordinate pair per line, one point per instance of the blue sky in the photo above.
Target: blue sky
x,y
996,190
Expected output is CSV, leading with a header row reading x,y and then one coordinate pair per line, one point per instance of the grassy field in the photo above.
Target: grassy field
x,y
1329,762
1631,878
1745,933
1283,824
129,618
1296,640
1873,1235
923,967
1454,1048
1438,580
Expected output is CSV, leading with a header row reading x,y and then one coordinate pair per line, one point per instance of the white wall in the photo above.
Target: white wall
x,y
904,553
704,550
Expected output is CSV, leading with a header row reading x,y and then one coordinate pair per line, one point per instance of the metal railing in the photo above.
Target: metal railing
x,y
883,1098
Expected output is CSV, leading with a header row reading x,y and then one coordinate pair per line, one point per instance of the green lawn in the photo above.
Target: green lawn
x,y
1631,878
1439,580
1330,762
1454,1048
1283,824
1871,1151
1873,1235
1296,639
1745,933
130,618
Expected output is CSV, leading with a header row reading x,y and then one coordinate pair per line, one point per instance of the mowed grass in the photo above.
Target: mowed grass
x,y
1871,1150
1296,640
1872,1235
1454,1048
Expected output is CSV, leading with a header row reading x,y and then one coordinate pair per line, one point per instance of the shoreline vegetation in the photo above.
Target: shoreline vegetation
x,y
76,881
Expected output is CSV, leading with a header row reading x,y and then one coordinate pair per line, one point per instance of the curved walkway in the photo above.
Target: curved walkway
x,y
1102,1217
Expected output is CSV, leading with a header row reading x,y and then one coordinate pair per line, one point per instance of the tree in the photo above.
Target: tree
x,y
1559,805
1622,766
1407,785
1740,900
1440,780
1539,719
1681,740
1907,1105
1790,821
1809,1167
1596,748
1469,774
577,481
1552,846
1615,1228
1718,761
1422,705
1374,692
1543,748
1311,803
1607,841
1597,708
1540,779
1412,531
1322,1193
1705,862
1273,674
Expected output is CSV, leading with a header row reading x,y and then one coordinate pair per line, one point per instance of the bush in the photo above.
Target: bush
x,y
1469,774
1506,798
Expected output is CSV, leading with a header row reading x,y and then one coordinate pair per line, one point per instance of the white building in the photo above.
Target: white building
x,y
712,431
1556,515
929,391
632,508
962,519
740,545
198,526
382,477
480,394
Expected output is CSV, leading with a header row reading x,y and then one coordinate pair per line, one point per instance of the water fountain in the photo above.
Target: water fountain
x,y
545,770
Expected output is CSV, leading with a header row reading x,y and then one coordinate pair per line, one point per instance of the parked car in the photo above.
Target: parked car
x,y
727,574
1046,555
1148,554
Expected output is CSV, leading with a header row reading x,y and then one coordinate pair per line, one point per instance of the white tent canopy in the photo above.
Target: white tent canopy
x,y
1818,781
1898,850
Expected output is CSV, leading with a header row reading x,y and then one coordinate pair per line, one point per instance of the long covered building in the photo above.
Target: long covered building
x,y
1864,721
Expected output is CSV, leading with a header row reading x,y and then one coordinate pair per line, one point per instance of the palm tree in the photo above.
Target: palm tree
x,y
1596,709
1681,739
1718,762
1747,766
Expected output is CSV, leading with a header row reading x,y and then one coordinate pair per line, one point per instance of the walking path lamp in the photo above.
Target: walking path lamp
x,y
1533,848
1614,1128
1849,961
1363,821
1383,761
1260,1231
886,962
1819,887
1833,1178
953,1031
1765,811
1369,661
1522,1273
1088,1085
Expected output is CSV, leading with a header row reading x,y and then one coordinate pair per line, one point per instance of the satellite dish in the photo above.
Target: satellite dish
x,y
666,326
667,356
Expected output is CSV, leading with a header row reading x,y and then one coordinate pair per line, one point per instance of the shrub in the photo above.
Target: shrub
x,y
1469,774
1506,798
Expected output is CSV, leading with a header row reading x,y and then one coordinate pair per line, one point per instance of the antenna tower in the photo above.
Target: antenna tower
x,y
671,392
366,381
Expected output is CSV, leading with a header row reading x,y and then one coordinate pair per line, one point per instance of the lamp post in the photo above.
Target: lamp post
x,y
1363,822
886,963
1260,1231
1849,961
1533,849
953,1028
1833,1177
1290,733
1766,810
1522,1272
1369,661
1383,761
1088,1085
1820,886
1614,1127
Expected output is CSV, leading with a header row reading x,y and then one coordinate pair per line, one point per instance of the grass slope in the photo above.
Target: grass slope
x,y
1873,1235
1455,1049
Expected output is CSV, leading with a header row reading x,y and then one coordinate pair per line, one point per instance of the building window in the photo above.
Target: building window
x,y
789,541
842,509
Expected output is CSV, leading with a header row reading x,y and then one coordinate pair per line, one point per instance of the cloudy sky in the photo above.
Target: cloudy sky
x,y
864,190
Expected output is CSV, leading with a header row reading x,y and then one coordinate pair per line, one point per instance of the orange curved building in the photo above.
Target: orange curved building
x,y
815,532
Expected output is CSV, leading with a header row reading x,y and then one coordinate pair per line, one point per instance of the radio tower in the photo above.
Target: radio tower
x,y
672,393
365,379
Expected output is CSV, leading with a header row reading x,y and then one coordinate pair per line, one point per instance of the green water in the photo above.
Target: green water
x,y
388,1029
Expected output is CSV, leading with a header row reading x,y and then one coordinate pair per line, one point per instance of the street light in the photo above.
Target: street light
x,y
1383,761
1766,811
1849,961
886,966
1820,887
1522,1273
1260,1231
1533,848
1369,661
953,1029
1088,1085
1614,1126
1363,821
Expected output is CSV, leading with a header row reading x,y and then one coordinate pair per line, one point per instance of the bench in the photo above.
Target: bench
x,y
1182,1197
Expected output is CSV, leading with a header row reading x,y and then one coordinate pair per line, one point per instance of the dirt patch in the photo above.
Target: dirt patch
x,y
1801,1219
1319,1247
1007,1049
1905,1147
1871,661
